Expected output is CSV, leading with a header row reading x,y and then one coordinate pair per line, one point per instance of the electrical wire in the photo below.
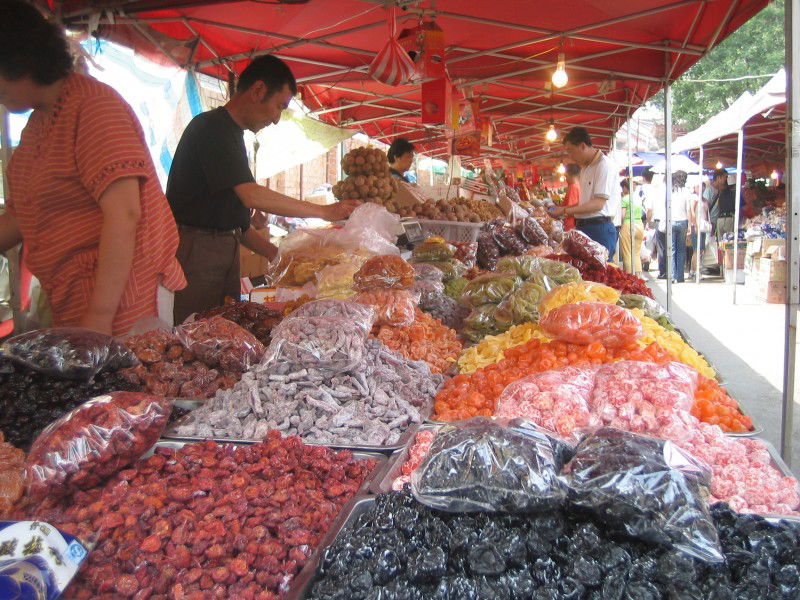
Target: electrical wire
x,y
742,78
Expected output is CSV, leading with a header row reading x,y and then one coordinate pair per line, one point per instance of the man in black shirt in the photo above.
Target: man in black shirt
x,y
211,189
723,207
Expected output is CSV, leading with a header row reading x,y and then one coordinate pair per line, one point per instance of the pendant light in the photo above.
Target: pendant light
x,y
560,77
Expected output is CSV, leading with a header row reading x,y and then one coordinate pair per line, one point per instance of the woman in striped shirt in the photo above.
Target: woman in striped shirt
x,y
84,195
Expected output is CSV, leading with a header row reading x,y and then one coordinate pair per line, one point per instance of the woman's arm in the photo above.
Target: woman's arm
x,y
121,207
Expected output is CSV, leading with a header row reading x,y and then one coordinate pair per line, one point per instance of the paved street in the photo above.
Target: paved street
x,y
745,342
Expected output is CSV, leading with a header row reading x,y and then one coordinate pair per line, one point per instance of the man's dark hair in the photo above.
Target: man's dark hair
x,y
30,45
623,183
719,173
399,147
679,179
271,70
576,136
647,174
573,170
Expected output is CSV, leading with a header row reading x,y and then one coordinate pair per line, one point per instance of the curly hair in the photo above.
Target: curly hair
x,y
30,45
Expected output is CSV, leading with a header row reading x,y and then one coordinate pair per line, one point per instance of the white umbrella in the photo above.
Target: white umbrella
x,y
680,162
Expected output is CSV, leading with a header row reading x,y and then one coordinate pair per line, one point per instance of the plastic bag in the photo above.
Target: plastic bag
x,y
481,318
489,288
646,488
466,252
446,310
363,316
426,272
507,240
557,400
523,266
488,252
484,465
578,291
454,287
94,441
650,307
434,249
587,322
581,246
452,269
334,344
392,307
219,342
336,281
430,293
559,272
12,476
68,352
384,272
38,561
530,231
522,305
255,318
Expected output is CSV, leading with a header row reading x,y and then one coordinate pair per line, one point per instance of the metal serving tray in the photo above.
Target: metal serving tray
x,y
301,585
777,460
401,442
383,480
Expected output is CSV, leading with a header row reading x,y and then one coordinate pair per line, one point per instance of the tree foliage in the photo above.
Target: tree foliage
x,y
756,48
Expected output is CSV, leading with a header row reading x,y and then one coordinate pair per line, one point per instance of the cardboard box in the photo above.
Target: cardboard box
x,y
772,292
262,294
729,258
771,269
772,247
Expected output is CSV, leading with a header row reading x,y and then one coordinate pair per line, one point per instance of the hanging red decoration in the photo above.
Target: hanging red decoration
x,y
392,65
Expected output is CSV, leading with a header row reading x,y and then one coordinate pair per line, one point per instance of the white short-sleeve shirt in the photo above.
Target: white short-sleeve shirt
x,y
599,178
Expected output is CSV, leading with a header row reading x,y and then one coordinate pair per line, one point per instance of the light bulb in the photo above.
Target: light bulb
x,y
560,77
562,178
561,169
719,165
774,175
552,134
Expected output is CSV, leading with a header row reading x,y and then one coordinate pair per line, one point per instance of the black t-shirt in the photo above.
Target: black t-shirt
x,y
209,161
725,203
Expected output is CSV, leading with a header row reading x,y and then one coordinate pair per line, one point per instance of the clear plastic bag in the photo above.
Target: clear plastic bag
x,y
530,231
451,269
434,249
427,272
482,318
384,272
488,252
523,266
587,322
559,272
430,293
650,307
95,440
578,291
490,466
489,288
68,352
335,344
336,281
392,307
646,488
466,252
557,400
522,305
581,246
219,342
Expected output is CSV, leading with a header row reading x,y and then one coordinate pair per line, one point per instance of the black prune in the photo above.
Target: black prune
x,y
427,565
545,571
641,590
571,589
387,566
587,572
485,559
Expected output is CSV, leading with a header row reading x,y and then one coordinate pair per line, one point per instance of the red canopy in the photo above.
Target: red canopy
x,y
618,54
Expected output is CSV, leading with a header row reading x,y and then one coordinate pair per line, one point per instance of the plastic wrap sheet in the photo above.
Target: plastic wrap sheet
x,y
392,307
68,352
484,465
587,322
384,272
94,441
219,342
646,488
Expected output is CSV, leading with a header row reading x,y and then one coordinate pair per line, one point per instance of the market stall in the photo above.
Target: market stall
x,y
354,440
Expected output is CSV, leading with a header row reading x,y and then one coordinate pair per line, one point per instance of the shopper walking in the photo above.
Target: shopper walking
x,y
594,214
680,203
631,246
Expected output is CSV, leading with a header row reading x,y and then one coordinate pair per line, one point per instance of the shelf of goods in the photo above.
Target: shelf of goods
x,y
439,427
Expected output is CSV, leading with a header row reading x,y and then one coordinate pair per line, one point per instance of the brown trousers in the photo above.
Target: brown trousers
x,y
210,262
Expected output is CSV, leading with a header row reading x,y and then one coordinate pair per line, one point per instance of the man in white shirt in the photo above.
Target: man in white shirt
x,y
594,214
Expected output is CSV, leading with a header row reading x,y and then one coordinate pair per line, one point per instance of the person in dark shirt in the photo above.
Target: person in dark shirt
x,y
722,210
401,156
211,189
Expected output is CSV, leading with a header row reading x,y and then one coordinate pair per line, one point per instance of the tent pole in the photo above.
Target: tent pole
x,y
792,180
699,205
737,210
14,255
668,187
5,145
630,193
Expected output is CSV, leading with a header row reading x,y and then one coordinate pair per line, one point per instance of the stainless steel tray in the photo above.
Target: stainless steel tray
x,y
301,585
382,482
777,460
401,442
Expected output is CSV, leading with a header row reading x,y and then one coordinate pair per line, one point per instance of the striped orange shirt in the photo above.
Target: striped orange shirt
x,y
57,174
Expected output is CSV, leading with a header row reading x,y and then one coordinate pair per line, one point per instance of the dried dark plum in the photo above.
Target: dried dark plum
x,y
571,589
388,565
427,565
587,572
545,571
641,590
485,559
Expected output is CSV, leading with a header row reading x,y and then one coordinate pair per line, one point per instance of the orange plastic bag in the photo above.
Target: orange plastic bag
x,y
587,322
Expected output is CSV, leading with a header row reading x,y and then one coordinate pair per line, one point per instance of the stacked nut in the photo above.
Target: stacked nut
x,y
459,209
368,176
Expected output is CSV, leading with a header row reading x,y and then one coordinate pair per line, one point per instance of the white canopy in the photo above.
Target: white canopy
x,y
680,162
736,115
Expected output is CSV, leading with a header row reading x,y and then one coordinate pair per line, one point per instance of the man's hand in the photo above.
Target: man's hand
x,y
557,212
339,211
97,322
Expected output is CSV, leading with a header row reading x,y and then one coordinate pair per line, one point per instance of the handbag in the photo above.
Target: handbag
x,y
705,226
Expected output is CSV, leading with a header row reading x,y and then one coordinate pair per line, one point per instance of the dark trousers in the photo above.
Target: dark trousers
x,y
679,248
603,233
661,244
210,262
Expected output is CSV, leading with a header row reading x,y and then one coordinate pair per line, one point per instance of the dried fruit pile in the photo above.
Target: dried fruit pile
x,y
402,549
425,339
416,452
713,405
195,365
620,280
368,177
30,400
207,520
12,476
251,316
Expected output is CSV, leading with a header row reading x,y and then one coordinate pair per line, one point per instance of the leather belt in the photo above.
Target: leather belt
x,y
212,231
592,221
